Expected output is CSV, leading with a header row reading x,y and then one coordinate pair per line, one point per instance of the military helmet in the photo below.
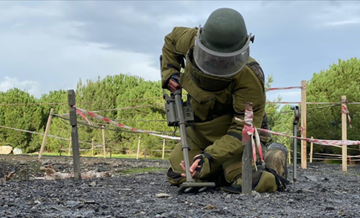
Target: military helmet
x,y
222,45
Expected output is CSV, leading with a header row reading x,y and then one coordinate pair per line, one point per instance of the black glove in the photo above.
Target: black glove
x,y
176,78
173,83
204,165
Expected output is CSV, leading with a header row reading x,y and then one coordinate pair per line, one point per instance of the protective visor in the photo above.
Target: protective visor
x,y
220,64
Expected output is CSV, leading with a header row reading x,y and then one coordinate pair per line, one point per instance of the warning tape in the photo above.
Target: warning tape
x,y
92,114
297,102
114,109
345,110
25,104
83,116
284,88
315,141
123,108
250,130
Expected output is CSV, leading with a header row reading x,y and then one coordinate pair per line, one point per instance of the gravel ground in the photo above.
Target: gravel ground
x,y
321,190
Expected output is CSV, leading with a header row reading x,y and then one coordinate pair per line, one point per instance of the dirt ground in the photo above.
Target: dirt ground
x,y
321,190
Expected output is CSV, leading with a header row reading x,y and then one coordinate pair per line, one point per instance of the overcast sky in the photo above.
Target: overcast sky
x,y
50,45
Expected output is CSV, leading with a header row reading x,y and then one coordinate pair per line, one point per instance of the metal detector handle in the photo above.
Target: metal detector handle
x,y
296,114
295,123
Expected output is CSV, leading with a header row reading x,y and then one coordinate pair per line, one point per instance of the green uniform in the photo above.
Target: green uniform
x,y
216,103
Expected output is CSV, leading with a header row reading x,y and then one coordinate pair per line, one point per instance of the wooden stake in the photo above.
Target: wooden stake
x,y
103,140
303,124
92,147
69,149
74,135
344,134
247,159
311,150
46,132
138,149
163,150
145,153
289,154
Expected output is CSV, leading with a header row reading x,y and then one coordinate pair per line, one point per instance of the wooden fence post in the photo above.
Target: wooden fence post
x,y
303,124
103,140
289,154
69,149
46,132
163,150
246,158
344,133
74,135
138,149
92,147
311,150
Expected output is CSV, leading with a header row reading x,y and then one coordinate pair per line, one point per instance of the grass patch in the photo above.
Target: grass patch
x,y
337,162
142,170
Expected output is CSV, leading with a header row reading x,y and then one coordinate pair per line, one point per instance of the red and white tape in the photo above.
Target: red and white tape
x,y
315,141
92,114
83,116
284,88
344,110
250,130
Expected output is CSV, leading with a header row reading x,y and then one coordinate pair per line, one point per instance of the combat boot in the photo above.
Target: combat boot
x,y
275,159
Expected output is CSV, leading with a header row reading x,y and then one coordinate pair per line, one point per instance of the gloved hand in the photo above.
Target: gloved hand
x,y
201,166
174,82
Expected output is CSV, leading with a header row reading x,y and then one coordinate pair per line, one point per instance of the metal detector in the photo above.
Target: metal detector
x,y
180,114
295,123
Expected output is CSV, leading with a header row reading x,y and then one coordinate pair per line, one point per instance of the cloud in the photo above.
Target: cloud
x,y
10,12
343,22
32,87
58,62
338,14
58,42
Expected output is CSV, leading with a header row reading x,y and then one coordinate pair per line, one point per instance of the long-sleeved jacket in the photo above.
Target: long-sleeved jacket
x,y
215,101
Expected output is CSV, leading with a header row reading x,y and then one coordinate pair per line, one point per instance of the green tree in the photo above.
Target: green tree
x,y
324,122
19,110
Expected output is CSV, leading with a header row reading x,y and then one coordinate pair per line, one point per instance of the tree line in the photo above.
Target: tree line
x,y
112,96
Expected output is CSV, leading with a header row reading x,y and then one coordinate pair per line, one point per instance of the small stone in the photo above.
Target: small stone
x,y
209,207
162,195
45,162
89,202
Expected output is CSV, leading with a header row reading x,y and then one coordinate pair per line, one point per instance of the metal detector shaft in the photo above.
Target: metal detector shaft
x,y
295,123
180,114
182,125
295,156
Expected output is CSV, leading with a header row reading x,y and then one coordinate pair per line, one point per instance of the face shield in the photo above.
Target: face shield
x,y
220,64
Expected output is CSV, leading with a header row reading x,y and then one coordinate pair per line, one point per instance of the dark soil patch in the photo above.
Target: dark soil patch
x,y
321,190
